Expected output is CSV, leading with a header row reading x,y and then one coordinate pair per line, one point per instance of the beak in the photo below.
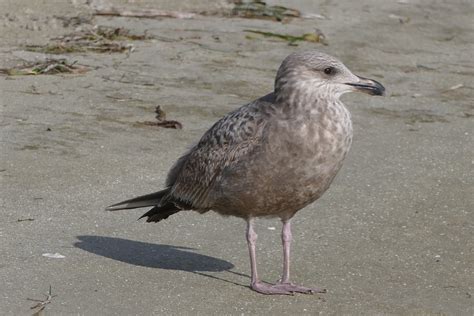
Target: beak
x,y
368,86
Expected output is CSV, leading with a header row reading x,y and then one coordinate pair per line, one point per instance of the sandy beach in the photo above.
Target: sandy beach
x,y
392,236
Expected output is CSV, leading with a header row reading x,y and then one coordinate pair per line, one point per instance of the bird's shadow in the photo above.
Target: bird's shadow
x,y
154,255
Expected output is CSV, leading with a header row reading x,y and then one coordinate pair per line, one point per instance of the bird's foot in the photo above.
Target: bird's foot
x,y
284,289
293,288
269,289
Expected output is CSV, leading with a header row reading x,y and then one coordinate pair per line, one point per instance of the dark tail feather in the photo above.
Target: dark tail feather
x,y
141,201
158,213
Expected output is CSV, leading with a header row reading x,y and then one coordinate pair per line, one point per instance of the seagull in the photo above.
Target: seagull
x,y
268,158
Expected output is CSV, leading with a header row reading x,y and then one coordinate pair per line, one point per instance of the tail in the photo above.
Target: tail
x,y
156,214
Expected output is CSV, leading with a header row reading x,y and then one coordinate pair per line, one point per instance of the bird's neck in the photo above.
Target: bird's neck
x,y
309,101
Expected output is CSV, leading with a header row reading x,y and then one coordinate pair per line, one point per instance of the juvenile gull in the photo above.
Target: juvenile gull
x,y
268,158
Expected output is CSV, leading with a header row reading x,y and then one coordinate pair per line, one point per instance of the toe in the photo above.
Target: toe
x,y
269,289
300,289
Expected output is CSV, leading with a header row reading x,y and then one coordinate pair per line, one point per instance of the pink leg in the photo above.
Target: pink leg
x,y
284,286
285,279
286,238
251,240
256,284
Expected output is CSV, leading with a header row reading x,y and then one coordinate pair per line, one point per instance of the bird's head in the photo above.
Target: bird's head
x,y
320,74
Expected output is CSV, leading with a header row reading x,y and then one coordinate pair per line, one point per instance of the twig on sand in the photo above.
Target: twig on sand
x,y
41,304
161,120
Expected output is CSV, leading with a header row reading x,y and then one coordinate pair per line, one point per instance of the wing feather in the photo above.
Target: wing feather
x,y
230,140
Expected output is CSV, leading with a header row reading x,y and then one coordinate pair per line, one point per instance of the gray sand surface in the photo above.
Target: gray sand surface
x,y
393,235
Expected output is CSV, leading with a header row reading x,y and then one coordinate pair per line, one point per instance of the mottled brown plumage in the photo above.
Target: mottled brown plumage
x,y
271,157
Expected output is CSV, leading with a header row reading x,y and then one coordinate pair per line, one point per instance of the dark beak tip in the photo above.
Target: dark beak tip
x,y
379,89
369,86
379,92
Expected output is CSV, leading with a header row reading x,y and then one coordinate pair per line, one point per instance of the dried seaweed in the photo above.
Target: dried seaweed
x,y
74,21
116,34
316,37
101,39
47,67
141,13
260,10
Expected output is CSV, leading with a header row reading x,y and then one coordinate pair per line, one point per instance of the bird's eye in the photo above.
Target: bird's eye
x,y
329,71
